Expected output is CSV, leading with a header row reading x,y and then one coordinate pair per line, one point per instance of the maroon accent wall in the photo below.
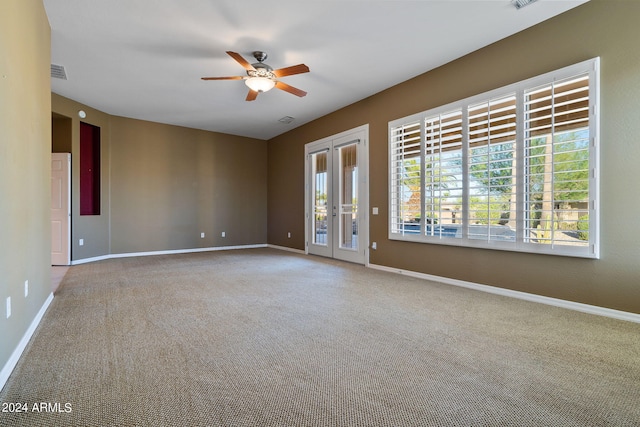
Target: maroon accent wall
x,y
89,169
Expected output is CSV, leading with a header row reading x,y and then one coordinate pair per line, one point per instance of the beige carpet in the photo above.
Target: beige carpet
x,y
265,337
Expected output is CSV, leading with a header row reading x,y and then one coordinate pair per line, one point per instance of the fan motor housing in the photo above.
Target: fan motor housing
x,y
259,55
262,69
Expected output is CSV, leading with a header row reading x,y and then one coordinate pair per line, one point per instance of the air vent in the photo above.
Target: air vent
x,y
286,120
58,72
521,3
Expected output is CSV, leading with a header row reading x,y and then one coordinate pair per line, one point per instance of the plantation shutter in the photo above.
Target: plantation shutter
x,y
512,169
405,177
492,182
443,181
557,162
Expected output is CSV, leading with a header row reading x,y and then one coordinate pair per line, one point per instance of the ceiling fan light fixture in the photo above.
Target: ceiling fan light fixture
x,y
260,84
262,78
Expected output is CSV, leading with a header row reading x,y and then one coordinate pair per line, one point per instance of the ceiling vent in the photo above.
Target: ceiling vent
x,y
58,72
521,3
286,120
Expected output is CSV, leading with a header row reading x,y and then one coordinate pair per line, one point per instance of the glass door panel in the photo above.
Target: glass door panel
x,y
348,179
320,192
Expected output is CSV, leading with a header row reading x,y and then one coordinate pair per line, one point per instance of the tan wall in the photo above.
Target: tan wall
x,y
163,185
61,131
169,184
25,167
93,229
605,28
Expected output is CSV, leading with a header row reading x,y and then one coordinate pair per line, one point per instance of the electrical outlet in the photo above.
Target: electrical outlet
x,y
26,288
8,307
375,210
224,234
81,242
202,235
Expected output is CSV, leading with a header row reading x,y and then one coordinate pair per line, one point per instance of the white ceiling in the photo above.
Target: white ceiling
x,y
143,59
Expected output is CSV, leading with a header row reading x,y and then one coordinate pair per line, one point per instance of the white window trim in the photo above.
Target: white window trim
x,y
592,67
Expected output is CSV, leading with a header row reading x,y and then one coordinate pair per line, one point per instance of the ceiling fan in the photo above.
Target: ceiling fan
x,y
262,77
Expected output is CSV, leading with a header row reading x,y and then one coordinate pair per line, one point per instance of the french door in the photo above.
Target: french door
x,y
336,196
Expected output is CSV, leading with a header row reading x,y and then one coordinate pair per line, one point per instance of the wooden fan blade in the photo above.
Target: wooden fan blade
x,y
252,95
289,71
240,60
290,89
223,78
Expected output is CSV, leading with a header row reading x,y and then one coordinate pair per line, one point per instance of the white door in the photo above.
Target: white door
x,y
336,196
60,209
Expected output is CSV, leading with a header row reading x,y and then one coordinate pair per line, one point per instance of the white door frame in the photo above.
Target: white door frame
x,y
332,143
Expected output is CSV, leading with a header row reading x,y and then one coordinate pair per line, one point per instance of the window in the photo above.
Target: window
x,y
443,173
492,192
512,169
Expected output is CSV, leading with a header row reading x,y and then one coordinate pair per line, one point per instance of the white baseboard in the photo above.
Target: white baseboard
x,y
584,308
92,259
166,252
15,356
285,248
